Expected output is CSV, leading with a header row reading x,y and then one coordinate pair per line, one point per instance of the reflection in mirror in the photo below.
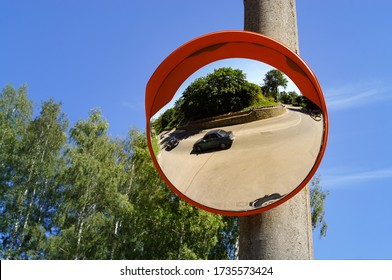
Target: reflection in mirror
x,y
238,135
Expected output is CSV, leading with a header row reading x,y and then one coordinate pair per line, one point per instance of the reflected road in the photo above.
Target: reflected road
x,y
267,156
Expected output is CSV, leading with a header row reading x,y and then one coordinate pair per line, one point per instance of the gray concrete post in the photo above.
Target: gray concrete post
x,y
285,232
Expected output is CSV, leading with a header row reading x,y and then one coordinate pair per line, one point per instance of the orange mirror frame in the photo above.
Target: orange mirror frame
x,y
195,54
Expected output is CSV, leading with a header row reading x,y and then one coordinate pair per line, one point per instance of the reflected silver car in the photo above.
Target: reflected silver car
x,y
214,139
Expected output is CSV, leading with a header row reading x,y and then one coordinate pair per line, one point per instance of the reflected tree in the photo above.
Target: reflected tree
x,y
223,91
272,81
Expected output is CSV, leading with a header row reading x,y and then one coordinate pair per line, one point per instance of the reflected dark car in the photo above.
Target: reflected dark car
x,y
214,139
171,142
260,201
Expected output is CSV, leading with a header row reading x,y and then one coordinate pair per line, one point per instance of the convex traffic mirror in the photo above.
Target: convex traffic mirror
x,y
236,122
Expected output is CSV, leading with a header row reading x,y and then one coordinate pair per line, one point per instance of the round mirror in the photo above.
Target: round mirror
x,y
236,122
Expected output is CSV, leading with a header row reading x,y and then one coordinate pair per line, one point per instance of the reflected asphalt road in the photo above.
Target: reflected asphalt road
x,y
267,156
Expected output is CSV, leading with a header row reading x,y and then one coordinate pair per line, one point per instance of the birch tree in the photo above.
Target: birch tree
x,y
163,226
85,195
15,114
31,158
317,201
93,200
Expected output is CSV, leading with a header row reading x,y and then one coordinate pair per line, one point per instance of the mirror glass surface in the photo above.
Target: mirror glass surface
x,y
237,136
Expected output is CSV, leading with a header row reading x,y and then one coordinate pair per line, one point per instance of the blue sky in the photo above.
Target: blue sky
x,y
98,53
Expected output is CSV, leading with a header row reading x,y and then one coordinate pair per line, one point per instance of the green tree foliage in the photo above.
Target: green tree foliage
x,y
168,120
227,246
94,201
157,224
272,81
163,226
289,97
15,115
317,200
30,180
92,197
223,91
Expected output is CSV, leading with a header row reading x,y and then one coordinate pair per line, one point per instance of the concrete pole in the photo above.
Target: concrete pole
x,y
285,232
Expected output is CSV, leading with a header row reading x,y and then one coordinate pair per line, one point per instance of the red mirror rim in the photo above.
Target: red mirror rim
x,y
195,54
